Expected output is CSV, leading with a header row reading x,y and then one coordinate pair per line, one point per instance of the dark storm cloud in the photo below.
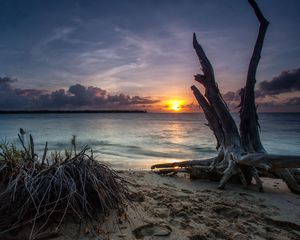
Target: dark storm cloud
x,y
76,97
285,82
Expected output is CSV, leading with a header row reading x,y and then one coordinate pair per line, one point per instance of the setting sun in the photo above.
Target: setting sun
x,y
175,105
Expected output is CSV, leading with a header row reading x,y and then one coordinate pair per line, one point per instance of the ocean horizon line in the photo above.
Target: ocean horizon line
x,y
68,111
112,111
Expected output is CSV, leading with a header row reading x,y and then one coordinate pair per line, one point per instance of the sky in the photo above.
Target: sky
x,y
137,54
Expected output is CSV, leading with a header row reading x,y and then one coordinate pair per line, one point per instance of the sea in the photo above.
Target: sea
x,y
139,140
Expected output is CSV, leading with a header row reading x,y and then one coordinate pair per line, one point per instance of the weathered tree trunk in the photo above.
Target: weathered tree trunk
x,y
241,153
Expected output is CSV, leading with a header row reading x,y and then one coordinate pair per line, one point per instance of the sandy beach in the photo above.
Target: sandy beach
x,y
180,208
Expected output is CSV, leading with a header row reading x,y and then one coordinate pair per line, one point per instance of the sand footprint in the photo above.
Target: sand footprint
x,y
152,229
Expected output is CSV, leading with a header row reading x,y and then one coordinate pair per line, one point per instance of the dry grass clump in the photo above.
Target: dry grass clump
x,y
37,191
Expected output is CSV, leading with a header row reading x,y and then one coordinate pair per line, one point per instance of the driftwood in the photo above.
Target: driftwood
x,y
241,153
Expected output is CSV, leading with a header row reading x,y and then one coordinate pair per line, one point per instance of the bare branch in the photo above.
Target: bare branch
x,y
211,116
212,93
270,161
249,120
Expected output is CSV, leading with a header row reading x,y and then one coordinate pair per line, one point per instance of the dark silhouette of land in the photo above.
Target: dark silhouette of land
x,y
68,111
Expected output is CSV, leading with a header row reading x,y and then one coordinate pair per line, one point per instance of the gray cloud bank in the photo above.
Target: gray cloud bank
x,y
268,93
285,82
76,97
282,93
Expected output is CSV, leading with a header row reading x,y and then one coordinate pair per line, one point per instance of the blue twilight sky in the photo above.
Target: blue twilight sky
x,y
139,48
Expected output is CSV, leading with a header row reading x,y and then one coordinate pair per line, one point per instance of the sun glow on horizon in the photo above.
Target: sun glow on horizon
x,y
175,105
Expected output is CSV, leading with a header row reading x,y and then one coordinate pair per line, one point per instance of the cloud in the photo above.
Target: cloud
x,y
285,82
8,96
232,96
287,105
294,101
57,34
5,83
276,89
76,97
30,93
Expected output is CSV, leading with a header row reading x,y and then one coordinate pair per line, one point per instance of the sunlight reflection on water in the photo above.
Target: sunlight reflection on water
x,y
139,140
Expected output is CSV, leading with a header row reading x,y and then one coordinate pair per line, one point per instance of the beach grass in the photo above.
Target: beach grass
x,y
38,191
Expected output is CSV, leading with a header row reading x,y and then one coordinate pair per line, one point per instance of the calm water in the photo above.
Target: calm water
x,y
138,140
